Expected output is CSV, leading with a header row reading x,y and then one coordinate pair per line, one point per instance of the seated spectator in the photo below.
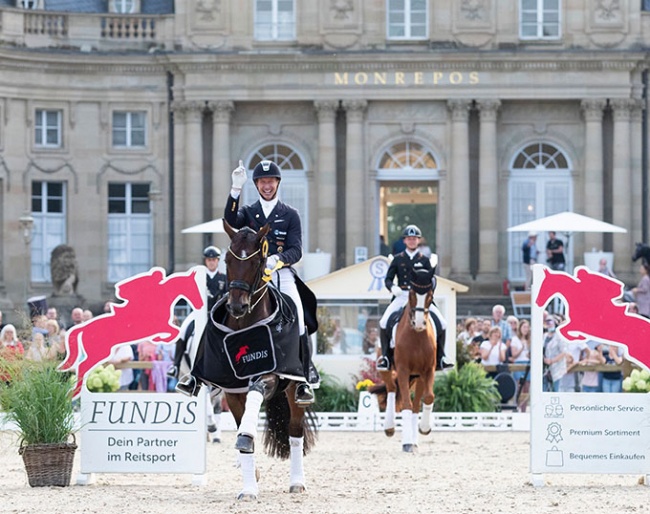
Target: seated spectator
x,y
493,350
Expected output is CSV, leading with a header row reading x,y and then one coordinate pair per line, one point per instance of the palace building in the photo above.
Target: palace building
x,y
121,121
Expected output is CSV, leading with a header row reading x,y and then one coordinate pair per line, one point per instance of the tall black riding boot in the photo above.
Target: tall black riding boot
x,y
383,362
309,370
441,362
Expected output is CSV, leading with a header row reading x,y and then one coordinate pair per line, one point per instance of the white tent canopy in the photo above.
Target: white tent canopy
x,y
566,222
209,227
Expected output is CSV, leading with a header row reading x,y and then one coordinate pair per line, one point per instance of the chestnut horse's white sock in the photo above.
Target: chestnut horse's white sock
x,y
425,423
389,420
248,423
297,471
414,428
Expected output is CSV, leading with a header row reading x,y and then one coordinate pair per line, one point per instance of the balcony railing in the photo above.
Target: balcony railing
x,y
45,29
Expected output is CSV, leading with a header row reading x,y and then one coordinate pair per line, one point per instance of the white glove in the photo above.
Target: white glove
x,y
239,177
397,291
271,261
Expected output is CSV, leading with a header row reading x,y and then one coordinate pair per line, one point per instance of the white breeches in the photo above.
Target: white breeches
x,y
400,302
286,281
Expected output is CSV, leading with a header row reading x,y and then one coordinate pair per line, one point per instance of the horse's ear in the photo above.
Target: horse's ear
x,y
263,231
229,230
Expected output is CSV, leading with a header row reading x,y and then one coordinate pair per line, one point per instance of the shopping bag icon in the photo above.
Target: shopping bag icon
x,y
554,457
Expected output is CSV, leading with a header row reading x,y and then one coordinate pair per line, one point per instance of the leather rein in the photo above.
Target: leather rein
x,y
253,289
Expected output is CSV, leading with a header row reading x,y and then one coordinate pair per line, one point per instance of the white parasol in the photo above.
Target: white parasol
x,y
209,227
566,222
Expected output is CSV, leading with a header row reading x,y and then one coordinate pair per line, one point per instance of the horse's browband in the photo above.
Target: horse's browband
x,y
243,258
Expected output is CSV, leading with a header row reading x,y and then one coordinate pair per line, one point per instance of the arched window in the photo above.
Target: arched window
x,y
293,189
540,185
407,172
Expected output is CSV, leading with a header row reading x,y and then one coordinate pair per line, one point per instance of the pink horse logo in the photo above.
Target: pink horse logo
x,y
593,313
147,313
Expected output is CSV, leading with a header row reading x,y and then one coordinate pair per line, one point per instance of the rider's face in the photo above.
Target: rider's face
x,y
411,242
211,263
267,187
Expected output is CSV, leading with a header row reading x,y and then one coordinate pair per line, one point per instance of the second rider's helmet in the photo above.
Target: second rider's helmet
x,y
411,230
266,169
211,252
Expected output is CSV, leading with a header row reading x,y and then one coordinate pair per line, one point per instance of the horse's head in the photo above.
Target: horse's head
x,y
420,297
245,262
641,250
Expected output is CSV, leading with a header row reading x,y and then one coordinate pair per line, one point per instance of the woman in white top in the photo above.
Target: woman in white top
x,y
493,351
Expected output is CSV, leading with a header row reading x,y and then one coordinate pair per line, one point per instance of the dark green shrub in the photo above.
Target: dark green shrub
x,y
466,390
332,396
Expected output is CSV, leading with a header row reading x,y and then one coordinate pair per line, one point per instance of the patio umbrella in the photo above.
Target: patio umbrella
x,y
566,222
209,227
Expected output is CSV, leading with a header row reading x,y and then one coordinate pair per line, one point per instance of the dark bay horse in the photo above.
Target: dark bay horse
x,y
251,366
414,362
641,251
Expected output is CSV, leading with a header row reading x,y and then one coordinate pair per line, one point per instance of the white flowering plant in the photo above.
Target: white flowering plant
x,y
637,382
104,379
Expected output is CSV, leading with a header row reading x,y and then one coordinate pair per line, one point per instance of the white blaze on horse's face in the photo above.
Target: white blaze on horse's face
x,y
419,320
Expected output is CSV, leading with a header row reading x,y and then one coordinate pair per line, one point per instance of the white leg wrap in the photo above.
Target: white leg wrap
x,y
217,422
407,426
248,423
389,420
297,471
247,462
414,427
425,423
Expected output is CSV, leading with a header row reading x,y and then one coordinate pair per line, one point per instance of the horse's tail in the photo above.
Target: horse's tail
x,y
72,347
276,434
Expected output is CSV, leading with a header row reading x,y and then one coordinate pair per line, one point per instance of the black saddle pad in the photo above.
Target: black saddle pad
x,y
250,351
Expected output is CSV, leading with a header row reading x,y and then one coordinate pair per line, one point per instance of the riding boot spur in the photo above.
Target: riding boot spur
x,y
383,362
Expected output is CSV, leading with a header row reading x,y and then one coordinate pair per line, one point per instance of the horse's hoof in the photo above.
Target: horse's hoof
x,y
298,488
245,443
408,448
390,432
423,432
247,497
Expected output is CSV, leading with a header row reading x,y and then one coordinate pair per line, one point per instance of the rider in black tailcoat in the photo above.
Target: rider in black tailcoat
x,y
285,245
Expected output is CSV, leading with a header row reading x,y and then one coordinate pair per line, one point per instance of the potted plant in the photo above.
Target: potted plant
x,y
38,400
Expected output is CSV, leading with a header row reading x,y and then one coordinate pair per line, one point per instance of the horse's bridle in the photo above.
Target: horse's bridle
x,y
245,286
420,289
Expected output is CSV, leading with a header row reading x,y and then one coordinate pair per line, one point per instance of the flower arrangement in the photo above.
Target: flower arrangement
x,y
637,382
104,379
368,371
364,385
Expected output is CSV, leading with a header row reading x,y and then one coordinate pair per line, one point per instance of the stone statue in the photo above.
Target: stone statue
x,y
64,270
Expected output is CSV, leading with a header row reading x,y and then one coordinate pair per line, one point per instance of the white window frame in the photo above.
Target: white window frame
x,y
541,16
278,23
49,230
30,5
294,187
129,129
123,6
124,256
42,125
544,180
407,25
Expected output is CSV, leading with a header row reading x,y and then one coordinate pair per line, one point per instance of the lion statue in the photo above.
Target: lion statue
x,y
64,270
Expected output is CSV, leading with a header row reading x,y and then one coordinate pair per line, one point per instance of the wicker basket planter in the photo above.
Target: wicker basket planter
x,y
48,464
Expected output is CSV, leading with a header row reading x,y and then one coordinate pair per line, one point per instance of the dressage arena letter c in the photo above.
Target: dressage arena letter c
x,y
594,311
145,314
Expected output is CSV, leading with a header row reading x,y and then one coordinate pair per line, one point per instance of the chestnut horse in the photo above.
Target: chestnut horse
x,y
414,362
251,304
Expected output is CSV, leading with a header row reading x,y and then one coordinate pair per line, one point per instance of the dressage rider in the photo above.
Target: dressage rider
x,y
215,281
400,268
284,238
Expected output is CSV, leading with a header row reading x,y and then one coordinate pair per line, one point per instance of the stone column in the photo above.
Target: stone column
x,y
622,185
488,185
636,138
189,172
326,176
222,163
355,178
592,109
459,187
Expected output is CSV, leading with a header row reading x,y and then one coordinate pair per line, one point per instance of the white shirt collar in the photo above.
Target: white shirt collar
x,y
410,253
267,207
